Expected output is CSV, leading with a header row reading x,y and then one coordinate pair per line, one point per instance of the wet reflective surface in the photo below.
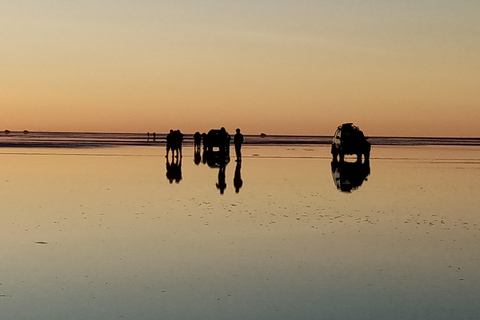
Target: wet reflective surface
x,y
349,176
103,234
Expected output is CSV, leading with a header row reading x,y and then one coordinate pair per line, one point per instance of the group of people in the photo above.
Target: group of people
x,y
174,143
214,138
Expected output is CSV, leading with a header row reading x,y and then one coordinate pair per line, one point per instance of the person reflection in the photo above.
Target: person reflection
x,y
204,156
174,170
197,157
221,185
349,176
204,140
237,179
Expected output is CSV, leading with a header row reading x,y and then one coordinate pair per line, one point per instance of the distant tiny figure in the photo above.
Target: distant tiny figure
x,y
154,136
238,140
148,136
237,179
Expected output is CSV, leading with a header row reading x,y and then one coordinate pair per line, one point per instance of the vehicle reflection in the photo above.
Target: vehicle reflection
x,y
349,176
217,159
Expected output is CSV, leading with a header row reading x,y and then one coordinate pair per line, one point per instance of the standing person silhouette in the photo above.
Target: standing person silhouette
x,y
197,141
177,142
170,138
238,140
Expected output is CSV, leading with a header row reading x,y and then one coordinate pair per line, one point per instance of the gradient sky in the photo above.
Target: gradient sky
x,y
395,68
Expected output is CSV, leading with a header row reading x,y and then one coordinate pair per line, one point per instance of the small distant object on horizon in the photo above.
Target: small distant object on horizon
x,y
263,135
7,131
26,132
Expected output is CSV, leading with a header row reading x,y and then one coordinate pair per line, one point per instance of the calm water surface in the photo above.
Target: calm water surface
x,y
103,234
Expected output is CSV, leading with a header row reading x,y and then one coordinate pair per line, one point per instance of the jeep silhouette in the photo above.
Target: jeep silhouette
x,y
348,140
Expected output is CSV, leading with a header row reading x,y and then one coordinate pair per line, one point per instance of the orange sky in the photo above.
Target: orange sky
x,y
280,67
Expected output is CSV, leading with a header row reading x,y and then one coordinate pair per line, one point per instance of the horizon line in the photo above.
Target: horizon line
x,y
247,134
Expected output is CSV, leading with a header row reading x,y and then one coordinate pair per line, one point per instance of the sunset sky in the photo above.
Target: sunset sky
x,y
394,68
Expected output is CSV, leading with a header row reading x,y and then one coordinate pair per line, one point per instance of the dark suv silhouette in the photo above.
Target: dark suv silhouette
x,y
348,139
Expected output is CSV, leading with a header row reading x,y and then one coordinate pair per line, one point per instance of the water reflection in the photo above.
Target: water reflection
x,y
216,154
221,184
174,169
237,179
349,176
218,159
197,157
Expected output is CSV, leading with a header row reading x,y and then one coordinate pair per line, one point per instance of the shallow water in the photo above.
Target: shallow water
x,y
103,234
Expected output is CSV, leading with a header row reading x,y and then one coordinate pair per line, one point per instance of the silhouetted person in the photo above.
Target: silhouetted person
x,y
177,142
174,143
154,137
205,141
197,140
237,141
174,170
170,137
224,141
237,179
222,185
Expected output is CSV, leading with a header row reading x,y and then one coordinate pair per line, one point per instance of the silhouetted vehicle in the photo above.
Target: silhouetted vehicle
x,y
348,140
349,176
218,140
216,144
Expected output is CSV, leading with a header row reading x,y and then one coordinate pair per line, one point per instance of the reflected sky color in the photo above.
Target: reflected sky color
x,y
281,67
102,234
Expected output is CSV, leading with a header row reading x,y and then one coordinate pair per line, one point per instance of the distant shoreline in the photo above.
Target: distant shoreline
x,y
20,139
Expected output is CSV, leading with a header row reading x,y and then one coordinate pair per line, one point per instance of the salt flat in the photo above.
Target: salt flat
x,y
102,234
